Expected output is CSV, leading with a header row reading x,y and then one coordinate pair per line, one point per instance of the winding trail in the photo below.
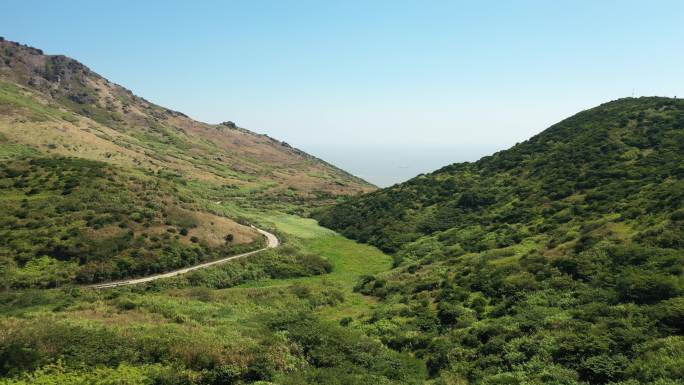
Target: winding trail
x,y
272,242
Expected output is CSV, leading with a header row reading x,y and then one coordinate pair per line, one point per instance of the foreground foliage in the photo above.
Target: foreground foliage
x,y
207,327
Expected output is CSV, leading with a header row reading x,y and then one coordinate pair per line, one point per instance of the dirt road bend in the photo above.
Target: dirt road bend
x,y
271,242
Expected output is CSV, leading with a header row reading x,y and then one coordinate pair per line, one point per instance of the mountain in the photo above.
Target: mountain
x,y
98,184
559,260
55,105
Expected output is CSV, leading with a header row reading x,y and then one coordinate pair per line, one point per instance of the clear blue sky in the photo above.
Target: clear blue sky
x,y
479,74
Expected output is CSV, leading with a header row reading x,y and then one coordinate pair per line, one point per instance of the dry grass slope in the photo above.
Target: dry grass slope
x,y
57,105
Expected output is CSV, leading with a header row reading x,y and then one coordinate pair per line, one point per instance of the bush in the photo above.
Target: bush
x,y
644,287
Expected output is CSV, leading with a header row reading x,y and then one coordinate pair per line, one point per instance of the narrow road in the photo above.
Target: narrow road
x,y
272,242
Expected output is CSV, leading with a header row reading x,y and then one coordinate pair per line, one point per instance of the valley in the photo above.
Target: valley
x,y
139,246
106,199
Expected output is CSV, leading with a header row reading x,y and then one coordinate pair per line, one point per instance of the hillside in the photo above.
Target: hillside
x,y
70,219
98,184
54,105
560,260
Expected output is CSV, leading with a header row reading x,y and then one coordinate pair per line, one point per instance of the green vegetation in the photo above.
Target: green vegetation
x,y
297,226
14,151
283,264
73,220
558,261
97,184
11,96
280,325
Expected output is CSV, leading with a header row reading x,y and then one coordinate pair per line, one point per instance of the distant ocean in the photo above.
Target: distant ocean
x,y
387,165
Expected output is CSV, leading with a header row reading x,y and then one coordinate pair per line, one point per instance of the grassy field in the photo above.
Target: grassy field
x,y
298,227
350,261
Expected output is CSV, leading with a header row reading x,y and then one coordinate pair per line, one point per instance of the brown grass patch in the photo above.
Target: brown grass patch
x,y
212,230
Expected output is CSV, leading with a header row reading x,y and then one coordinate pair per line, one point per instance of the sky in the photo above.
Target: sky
x,y
385,89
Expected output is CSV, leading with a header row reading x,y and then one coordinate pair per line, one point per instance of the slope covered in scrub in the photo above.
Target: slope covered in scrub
x,y
560,260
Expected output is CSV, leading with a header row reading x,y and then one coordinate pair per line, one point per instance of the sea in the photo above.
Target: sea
x,y
387,165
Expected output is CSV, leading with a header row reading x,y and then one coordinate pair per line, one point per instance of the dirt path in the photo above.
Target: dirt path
x,y
272,242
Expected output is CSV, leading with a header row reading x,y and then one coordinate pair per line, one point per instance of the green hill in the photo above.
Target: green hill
x,y
559,260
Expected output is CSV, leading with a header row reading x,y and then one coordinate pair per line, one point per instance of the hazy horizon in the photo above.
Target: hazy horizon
x,y
341,77
386,165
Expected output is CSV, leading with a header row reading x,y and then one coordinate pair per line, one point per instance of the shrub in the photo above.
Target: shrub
x,y
644,287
